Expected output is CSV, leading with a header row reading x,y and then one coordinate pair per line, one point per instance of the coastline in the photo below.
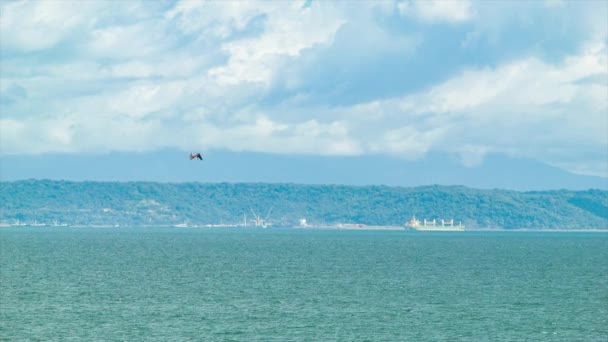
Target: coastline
x,y
554,230
325,227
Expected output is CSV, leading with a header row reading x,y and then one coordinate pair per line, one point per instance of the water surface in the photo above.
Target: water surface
x,y
290,285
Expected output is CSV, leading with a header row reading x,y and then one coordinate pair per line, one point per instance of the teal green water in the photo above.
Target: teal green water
x,y
169,284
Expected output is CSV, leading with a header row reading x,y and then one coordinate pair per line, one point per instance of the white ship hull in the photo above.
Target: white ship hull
x,y
439,229
432,226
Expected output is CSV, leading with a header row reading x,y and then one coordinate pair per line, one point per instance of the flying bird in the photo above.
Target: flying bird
x,y
196,156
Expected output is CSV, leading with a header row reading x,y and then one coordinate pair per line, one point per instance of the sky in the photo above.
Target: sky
x,y
405,78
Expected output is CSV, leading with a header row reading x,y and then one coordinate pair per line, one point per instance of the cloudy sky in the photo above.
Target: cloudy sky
x,y
527,79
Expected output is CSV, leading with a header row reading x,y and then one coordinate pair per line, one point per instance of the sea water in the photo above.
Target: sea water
x,y
179,284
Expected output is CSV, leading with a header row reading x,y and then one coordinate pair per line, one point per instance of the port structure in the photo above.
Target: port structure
x,y
258,221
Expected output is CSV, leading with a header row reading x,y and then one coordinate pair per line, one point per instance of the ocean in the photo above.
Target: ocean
x,y
238,284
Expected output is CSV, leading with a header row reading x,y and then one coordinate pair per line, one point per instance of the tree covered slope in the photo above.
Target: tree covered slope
x,y
147,203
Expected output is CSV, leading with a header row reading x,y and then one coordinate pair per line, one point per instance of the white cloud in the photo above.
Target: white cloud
x,y
39,25
106,76
127,42
289,29
36,25
472,155
453,11
11,132
524,108
266,135
39,134
407,141
214,18
517,86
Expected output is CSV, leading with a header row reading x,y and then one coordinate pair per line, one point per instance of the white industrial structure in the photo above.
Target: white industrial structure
x,y
258,221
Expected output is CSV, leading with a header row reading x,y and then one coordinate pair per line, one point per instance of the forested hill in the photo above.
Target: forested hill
x,y
145,203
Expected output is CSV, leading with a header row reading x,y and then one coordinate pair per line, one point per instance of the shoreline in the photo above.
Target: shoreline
x,y
330,227
548,230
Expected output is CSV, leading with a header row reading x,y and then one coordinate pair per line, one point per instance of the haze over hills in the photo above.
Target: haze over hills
x,y
496,171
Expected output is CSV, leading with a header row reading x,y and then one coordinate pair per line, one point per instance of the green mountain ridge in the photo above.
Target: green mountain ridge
x,y
150,203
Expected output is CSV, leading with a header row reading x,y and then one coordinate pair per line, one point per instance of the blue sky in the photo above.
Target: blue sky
x,y
527,79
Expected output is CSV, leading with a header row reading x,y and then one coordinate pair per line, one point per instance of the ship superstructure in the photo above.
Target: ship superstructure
x,y
434,225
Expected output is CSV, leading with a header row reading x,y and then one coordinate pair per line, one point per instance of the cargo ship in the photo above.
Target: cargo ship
x,y
434,225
